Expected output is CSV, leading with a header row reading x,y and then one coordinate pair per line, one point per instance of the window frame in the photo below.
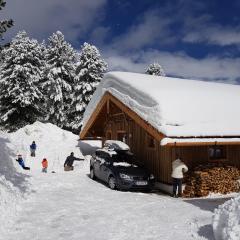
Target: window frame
x,y
222,155
124,133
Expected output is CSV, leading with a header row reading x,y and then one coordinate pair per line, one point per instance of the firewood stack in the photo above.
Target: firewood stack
x,y
211,178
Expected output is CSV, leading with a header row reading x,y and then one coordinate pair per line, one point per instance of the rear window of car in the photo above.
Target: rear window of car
x,y
123,156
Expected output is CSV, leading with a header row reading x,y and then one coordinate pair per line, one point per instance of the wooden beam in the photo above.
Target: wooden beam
x,y
108,107
116,114
90,138
94,115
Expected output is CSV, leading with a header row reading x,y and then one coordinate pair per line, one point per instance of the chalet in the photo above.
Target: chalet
x,y
160,117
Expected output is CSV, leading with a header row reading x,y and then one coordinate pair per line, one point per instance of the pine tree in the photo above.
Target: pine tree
x,y
155,69
58,78
4,24
20,98
89,72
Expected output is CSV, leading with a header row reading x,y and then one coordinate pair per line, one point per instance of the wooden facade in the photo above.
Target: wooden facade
x,y
113,120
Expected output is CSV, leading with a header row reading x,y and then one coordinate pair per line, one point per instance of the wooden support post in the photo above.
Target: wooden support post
x,y
108,107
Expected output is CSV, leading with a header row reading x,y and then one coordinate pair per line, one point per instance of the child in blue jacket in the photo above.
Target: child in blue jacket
x,y
21,162
33,148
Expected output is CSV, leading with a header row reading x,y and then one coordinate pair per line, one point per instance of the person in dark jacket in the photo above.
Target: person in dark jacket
x,y
33,148
21,162
68,165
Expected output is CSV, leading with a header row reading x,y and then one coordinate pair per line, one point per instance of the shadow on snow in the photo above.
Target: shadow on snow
x,y
207,204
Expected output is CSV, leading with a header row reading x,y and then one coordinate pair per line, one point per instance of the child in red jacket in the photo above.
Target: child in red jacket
x,y
44,165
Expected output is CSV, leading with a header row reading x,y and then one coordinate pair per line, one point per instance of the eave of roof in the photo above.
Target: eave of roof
x,y
199,141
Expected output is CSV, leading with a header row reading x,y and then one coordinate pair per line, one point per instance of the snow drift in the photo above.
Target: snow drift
x,y
175,107
52,142
13,184
226,220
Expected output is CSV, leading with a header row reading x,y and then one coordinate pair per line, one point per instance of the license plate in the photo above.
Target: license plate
x,y
141,183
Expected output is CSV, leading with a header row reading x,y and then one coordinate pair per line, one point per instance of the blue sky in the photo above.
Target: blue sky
x,y
191,39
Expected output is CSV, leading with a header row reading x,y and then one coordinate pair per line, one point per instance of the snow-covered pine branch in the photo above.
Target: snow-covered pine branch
x,y
89,72
155,69
4,24
58,78
20,73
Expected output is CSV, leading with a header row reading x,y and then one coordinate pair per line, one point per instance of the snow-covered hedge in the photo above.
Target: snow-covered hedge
x,y
226,220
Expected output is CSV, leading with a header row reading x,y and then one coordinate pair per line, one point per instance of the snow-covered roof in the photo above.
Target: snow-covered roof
x,y
175,107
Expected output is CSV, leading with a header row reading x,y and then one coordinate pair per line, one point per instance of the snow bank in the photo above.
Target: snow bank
x,y
226,220
175,107
13,184
10,196
53,143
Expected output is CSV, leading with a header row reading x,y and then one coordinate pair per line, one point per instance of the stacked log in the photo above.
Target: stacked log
x,y
211,178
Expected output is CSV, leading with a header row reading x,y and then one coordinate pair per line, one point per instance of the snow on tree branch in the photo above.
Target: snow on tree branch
x,y
155,69
4,24
89,72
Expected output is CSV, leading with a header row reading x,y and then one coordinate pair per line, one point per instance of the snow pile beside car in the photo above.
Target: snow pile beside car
x,y
226,220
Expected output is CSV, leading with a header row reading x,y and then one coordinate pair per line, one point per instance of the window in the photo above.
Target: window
x,y
103,155
217,152
122,136
151,142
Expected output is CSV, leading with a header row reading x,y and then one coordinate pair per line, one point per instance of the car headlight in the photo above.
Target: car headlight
x,y
151,177
125,176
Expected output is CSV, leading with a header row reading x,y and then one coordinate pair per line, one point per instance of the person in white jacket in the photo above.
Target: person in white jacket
x,y
178,168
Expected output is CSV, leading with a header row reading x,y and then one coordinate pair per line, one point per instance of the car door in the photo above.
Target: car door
x,y
97,164
100,160
104,166
105,169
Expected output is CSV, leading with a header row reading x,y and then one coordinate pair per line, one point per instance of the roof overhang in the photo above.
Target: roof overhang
x,y
109,97
167,141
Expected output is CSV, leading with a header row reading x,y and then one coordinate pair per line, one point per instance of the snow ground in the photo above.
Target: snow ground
x,y
226,220
69,205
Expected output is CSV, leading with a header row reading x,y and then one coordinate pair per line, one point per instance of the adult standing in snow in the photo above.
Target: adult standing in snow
x,y
68,165
44,165
178,168
33,148
21,162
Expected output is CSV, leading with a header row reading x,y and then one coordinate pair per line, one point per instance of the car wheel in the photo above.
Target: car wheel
x,y
112,182
92,174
